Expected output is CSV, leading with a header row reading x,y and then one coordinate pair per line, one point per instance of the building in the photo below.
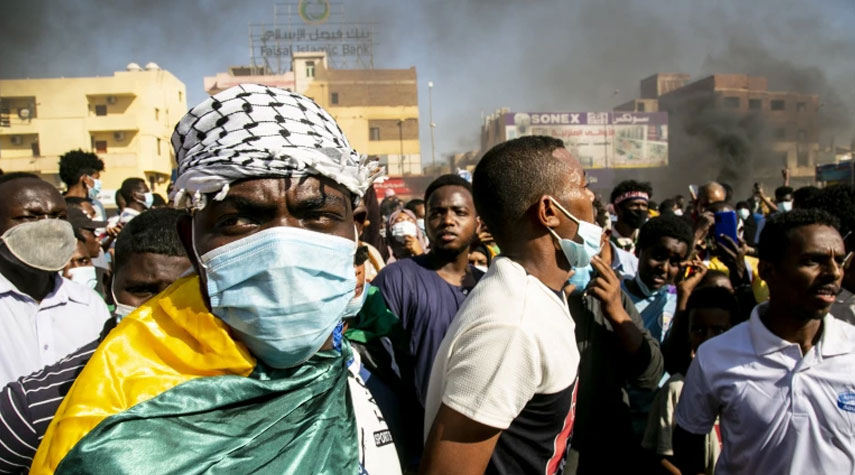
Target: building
x,y
778,129
377,109
126,119
653,87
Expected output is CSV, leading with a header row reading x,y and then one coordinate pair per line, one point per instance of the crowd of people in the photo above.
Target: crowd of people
x,y
274,315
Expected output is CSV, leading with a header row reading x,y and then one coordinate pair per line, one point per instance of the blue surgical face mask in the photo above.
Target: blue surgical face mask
x,y
581,278
95,189
579,255
743,213
282,290
148,199
785,206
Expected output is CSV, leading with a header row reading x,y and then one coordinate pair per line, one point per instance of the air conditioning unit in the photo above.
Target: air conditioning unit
x,y
17,140
24,113
118,136
111,99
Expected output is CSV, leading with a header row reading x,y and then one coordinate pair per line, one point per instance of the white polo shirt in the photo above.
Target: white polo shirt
x,y
36,334
781,411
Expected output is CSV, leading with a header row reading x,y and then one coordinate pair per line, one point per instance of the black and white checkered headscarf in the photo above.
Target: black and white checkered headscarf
x,y
256,131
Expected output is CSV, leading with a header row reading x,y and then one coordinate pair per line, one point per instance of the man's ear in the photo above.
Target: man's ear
x,y
766,270
547,213
185,233
107,282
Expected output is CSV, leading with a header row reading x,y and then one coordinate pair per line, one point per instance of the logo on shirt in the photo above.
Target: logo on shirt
x,y
382,437
846,401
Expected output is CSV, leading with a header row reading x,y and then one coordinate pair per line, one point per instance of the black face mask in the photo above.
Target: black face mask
x,y
634,218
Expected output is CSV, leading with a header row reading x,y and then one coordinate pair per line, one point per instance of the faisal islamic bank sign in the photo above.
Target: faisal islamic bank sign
x,y
600,139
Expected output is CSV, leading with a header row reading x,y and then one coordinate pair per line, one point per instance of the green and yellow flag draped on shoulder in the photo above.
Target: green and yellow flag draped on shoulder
x,y
170,391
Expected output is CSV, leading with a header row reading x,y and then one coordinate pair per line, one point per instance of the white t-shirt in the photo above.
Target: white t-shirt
x,y
510,354
377,453
781,411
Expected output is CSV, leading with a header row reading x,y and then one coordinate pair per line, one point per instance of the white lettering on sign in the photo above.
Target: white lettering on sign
x,y
555,118
630,119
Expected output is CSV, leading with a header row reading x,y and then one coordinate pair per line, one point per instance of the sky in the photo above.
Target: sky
x,y
481,55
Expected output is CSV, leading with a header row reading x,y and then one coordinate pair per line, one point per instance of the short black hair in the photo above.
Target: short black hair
x,y
728,191
742,204
667,205
511,177
153,231
838,201
446,180
76,163
805,195
628,186
389,205
714,297
361,255
414,203
158,200
665,226
129,187
15,176
601,213
782,191
775,236
711,275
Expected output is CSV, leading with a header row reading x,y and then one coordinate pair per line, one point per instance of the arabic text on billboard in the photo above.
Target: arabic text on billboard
x,y
600,139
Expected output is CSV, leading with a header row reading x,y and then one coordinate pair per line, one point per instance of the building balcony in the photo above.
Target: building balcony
x,y
111,123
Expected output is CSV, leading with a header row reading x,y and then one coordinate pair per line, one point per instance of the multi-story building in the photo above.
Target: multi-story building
x,y
126,119
779,126
377,109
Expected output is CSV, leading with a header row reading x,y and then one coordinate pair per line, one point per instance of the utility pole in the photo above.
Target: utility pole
x,y
401,141
432,126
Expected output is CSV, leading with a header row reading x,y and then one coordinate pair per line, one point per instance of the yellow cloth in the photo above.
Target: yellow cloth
x,y
758,285
169,340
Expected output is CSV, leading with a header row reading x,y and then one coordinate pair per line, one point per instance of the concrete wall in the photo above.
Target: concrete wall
x,y
142,107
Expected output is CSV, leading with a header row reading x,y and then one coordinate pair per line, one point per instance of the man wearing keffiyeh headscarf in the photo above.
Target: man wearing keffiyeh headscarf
x,y
241,366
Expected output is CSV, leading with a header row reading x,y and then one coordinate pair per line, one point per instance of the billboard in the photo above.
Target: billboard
x,y
600,139
842,173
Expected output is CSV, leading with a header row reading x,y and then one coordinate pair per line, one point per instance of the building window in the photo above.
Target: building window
x,y
640,107
37,152
803,158
731,102
100,146
101,109
755,104
310,69
801,135
334,98
781,133
374,133
778,105
156,114
800,106
158,146
180,96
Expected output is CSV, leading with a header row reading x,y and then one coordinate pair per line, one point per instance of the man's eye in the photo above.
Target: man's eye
x,y
236,221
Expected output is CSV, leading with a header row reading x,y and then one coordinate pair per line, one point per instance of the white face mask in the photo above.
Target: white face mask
x,y
404,228
122,310
481,268
678,212
743,213
84,275
785,206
